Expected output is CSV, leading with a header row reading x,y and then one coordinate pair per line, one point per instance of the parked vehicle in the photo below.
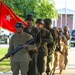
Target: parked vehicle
x,y
5,36
4,39
73,37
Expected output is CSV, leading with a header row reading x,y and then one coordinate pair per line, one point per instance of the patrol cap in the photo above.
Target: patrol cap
x,y
47,21
40,21
29,17
19,25
55,28
60,29
66,27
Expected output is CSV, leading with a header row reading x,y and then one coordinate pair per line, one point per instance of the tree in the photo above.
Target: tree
x,y
17,6
39,8
31,7
47,9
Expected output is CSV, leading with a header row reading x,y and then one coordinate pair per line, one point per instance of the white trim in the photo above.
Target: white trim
x,y
68,11
73,27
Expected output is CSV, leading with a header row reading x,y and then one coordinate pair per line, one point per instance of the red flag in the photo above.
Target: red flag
x,y
8,18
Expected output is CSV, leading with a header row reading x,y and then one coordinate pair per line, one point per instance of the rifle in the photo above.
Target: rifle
x,y
16,49
58,49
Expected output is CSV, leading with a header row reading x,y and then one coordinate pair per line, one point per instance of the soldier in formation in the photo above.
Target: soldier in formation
x,y
20,60
32,30
63,43
43,38
67,44
59,55
50,47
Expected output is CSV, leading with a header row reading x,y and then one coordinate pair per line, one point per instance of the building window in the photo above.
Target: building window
x,y
59,17
71,17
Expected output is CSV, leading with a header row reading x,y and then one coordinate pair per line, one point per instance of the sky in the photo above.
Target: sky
x,y
70,4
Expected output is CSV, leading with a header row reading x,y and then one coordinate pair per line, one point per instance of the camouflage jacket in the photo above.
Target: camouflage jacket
x,y
33,32
43,38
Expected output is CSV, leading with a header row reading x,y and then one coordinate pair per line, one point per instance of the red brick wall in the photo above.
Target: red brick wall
x,y
69,20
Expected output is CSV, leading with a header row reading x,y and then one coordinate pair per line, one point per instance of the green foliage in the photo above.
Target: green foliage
x,y
30,7
39,8
47,9
5,64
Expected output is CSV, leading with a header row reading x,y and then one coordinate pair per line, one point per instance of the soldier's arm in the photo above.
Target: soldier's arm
x,y
48,38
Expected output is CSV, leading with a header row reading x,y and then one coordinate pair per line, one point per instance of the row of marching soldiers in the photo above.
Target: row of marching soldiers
x,y
53,46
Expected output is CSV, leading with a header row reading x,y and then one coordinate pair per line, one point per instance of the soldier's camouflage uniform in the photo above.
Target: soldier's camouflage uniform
x,y
66,47
33,63
51,51
20,60
44,37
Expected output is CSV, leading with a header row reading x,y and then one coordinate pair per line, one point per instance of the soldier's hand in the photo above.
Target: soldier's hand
x,y
36,50
24,46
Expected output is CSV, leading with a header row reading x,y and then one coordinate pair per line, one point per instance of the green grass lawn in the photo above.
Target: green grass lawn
x,y
5,64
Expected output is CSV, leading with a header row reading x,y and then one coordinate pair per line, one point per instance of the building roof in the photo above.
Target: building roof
x,y
66,11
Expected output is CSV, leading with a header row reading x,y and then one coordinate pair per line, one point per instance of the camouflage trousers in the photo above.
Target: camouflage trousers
x,y
59,61
42,61
50,64
66,51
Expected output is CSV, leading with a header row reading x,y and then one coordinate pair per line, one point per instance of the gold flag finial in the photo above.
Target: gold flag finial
x,y
0,0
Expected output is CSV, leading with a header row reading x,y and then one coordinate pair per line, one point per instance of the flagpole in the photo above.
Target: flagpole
x,y
0,0
0,5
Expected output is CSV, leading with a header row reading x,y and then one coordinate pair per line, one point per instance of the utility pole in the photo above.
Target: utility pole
x,y
61,17
65,14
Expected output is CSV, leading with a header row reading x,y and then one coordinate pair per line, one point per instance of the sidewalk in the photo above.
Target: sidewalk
x,y
4,45
7,73
70,68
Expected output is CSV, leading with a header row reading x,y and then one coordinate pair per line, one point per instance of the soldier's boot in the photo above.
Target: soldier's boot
x,y
48,73
43,73
48,70
53,71
65,67
60,72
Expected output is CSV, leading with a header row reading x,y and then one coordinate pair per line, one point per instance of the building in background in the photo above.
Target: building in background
x,y
66,17
66,9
